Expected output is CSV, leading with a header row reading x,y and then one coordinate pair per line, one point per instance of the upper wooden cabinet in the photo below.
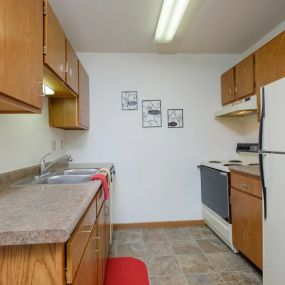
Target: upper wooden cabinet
x,y
72,113
270,61
244,78
60,60
83,98
238,82
71,68
228,86
54,43
21,47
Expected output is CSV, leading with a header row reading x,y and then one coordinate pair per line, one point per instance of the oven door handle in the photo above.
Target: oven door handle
x,y
224,173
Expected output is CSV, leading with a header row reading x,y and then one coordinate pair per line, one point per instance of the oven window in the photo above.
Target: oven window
x,y
215,191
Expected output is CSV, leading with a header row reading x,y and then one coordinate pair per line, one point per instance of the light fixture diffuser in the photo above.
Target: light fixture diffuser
x,y
47,90
170,17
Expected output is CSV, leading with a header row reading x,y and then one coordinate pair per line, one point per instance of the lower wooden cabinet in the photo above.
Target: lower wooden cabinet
x,y
81,261
246,210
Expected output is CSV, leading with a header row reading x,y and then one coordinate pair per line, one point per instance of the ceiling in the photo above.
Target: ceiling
x,y
209,26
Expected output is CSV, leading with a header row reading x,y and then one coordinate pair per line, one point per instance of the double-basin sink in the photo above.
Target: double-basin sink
x,y
69,176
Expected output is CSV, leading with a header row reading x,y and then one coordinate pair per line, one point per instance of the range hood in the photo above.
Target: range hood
x,y
239,108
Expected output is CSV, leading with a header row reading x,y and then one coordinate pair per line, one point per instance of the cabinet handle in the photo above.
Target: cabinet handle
x,y
63,67
231,91
70,71
236,89
66,67
247,187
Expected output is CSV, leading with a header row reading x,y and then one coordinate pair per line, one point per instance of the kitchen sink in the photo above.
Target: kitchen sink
x,y
80,171
70,176
67,179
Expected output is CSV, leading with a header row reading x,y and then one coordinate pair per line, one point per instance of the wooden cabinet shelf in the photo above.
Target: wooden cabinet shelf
x,y
21,46
246,211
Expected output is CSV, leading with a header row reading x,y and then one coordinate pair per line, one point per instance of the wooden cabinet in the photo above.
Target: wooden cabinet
x,y
71,68
238,82
246,211
80,261
244,78
54,43
21,47
270,63
228,86
72,113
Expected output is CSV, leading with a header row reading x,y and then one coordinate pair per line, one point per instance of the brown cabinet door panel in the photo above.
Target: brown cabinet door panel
x,y
245,77
21,49
227,86
247,225
83,97
71,67
54,40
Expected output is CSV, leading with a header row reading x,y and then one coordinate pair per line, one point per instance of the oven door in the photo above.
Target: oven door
x,y
215,191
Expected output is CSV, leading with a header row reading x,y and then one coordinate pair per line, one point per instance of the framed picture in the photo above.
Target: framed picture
x,y
151,113
129,100
175,118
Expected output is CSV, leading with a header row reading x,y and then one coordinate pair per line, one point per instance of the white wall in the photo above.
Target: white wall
x,y
25,138
157,175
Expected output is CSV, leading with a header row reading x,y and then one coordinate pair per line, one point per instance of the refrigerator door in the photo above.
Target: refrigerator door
x,y
274,117
273,227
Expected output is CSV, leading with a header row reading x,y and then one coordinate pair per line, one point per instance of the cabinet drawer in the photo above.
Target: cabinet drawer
x,y
100,199
78,241
245,183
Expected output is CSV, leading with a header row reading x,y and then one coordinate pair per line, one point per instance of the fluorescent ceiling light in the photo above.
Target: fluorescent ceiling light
x,y
170,17
47,90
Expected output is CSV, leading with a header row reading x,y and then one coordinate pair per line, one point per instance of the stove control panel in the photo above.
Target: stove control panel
x,y
247,147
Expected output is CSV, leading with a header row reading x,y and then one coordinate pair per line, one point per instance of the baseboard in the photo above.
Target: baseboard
x,y
166,224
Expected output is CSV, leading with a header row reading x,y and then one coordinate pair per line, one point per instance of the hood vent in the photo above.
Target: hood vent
x,y
239,108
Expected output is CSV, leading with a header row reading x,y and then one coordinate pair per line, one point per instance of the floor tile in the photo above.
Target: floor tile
x,y
163,266
113,250
180,233
169,280
182,247
194,263
212,245
130,249
157,234
228,261
129,235
158,248
201,232
204,279
240,278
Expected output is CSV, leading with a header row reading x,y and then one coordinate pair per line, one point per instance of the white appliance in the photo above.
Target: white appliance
x,y
215,188
272,163
239,108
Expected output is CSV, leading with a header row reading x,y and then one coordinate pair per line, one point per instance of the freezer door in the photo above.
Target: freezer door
x,y
274,225
274,116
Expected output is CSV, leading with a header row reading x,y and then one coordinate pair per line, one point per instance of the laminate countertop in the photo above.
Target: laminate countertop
x,y
33,214
246,169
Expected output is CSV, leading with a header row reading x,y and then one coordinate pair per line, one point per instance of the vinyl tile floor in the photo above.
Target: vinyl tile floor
x,y
191,255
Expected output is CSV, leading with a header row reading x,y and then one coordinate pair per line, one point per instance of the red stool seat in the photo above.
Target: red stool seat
x,y
126,271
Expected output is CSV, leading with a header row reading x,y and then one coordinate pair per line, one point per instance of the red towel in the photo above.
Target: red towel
x,y
103,179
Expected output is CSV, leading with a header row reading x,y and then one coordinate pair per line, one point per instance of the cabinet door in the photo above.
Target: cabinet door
x,y
270,61
244,74
21,47
54,41
83,97
227,85
101,247
247,225
71,67
87,271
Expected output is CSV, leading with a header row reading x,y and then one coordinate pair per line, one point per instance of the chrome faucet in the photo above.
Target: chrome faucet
x,y
43,164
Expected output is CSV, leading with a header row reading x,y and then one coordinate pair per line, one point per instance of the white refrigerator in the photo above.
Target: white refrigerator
x,y
272,167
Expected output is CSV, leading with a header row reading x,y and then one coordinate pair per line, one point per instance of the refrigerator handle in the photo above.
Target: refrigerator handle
x,y
260,146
